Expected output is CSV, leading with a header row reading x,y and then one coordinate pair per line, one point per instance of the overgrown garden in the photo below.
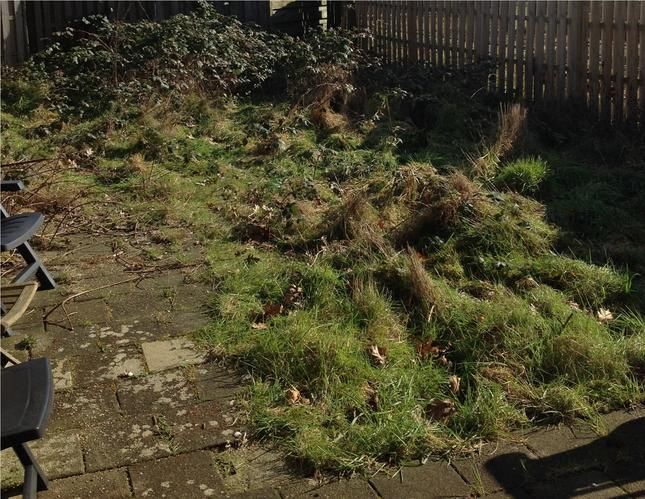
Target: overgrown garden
x,y
405,264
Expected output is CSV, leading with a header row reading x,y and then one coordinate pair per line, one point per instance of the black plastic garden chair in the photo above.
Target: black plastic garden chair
x,y
27,395
15,232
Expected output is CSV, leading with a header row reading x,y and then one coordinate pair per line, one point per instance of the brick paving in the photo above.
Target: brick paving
x,y
141,412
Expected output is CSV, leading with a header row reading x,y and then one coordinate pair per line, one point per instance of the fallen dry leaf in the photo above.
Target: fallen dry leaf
x,y
372,396
293,395
272,309
440,409
259,325
454,382
377,353
604,315
429,348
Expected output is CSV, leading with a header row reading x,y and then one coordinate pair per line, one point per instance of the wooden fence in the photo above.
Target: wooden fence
x,y
589,51
27,26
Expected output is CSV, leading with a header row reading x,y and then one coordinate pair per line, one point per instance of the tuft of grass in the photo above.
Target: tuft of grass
x,y
512,120
522,175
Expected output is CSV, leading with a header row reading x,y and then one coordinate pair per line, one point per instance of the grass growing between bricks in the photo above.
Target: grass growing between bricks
x,y
394,291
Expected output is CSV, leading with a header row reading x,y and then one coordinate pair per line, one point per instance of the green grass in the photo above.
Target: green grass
x,y
388,305
522,175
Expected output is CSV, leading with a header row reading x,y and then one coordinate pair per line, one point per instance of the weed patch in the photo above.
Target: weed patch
x,y
378,264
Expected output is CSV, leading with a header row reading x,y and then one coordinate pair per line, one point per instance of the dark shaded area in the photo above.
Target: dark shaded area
x,y
595,189
616,460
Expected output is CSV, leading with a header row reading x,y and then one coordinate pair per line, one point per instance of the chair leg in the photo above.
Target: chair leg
x,y
29,484
7,358
6,331
34,475
34,265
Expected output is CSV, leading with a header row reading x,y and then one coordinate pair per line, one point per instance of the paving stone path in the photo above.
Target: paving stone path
x,y
140,411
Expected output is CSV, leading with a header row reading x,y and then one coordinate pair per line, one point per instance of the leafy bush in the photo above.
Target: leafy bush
x,y
522,175
98,62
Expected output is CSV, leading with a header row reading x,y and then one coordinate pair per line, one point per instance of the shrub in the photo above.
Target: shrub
x,y
522,175
98,61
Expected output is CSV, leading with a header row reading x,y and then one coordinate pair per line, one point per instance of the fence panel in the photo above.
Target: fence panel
x,y
586,51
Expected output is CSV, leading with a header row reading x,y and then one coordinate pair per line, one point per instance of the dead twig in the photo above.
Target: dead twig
x,y
81,293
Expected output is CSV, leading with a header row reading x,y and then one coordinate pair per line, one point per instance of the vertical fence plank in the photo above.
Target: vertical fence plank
x,y
427,54
619,59
550,47
432,32
641,63
486,8
632,60
379,29
538,86
494,30
561,52
501,44
385,31
412,32
573,50
461,37
520,57
441,24
510,47
470,31
390,32
607,58
8,47
22,46
35,9
68,13
582,65
395,30
594,57
530,44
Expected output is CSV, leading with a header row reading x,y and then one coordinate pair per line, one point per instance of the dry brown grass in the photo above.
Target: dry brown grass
x,y
512,119
437,206
423,288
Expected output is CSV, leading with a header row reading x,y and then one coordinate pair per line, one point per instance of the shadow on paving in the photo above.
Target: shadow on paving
x,y
610,466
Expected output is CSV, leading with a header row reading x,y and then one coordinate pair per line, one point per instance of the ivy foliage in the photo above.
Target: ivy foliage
x,y
97,61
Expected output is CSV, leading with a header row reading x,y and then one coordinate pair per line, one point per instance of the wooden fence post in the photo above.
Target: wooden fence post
x,y
412,17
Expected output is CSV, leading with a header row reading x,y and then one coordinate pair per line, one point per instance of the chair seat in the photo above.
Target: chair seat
x,y
17,229
27,394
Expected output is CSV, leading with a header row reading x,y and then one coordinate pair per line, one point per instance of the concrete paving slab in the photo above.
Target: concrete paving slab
x,y
265,493
59,454
496,467
245,468
156,392
354,489
93,309
107,366
111,484
84,407
561,452
434,479
206,425
186,476
213,382
62,375
118,334
167,354
589,484
128,440
629,476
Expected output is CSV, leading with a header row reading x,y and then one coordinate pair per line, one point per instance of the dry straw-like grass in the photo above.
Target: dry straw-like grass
x,y
512,119
423,288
